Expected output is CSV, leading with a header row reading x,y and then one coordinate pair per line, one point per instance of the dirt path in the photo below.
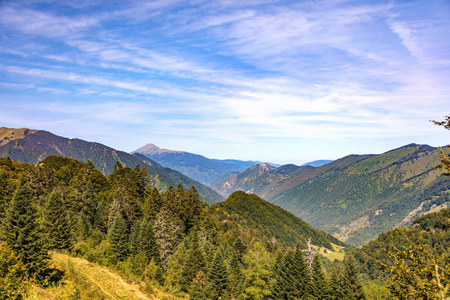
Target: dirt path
x,y
112,285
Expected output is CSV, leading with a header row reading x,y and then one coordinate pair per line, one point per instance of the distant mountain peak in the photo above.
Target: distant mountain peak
x,y
152,149
264,166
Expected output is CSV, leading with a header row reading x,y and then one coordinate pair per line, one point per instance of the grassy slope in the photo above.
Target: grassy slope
x,y
93,282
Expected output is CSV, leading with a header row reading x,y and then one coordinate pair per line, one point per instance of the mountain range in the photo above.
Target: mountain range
x,y
197,167
356,197
32,146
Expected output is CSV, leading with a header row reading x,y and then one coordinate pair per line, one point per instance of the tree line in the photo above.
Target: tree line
x,y
163,238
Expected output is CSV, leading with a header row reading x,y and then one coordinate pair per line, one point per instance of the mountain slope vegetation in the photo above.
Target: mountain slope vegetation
x,y
32,146
432,229
271,221
167,240
356,197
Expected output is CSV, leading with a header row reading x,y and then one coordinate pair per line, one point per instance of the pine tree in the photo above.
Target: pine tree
x,y
319,282
217,277
301,274
353,289
235,276
336,289
56,223
118,236
279,288
194,263
257,275
21,232
152,204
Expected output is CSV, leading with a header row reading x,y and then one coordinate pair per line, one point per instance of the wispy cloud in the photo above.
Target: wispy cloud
x,y
228,72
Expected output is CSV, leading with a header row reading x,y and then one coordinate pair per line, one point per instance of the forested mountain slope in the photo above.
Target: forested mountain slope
x,y
431,229
194,166
356,197
271,221
32,146
167,240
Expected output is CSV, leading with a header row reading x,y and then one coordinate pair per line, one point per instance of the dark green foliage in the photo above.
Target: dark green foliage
x,y
301,274
165,239
353,289
22,234
143,241
235,278
195,262
118,236
431,229
336,289
272,221
319,282
152,204
56,223
217,277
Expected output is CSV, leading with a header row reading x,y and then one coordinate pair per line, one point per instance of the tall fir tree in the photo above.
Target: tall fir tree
x,y
194,263
301,274
152,204
279,288
118,236
56,223
235,276
319,282
353,288
22,234
217,277
336,288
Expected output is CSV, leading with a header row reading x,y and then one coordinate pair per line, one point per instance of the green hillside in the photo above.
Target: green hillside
x,y
31,146
432,229
355,198
165,245
271,221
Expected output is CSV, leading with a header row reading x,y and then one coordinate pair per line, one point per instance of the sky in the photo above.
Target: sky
x,y
267,80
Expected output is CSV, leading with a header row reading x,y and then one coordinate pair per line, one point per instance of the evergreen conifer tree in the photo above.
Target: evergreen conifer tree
x,y
301,274
319,283
152,204
336,288
235,276
56,223
279,288
353,289
22,234
195,262
118,236
217,277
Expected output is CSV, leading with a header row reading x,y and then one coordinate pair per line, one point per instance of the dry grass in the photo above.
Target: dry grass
x,y
92,282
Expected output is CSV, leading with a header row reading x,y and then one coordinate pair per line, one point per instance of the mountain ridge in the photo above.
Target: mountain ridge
x,y
35,145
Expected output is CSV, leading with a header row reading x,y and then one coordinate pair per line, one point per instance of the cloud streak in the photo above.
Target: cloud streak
x,y
229,73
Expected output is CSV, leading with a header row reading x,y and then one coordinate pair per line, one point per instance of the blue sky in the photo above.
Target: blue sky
x,y
277,81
